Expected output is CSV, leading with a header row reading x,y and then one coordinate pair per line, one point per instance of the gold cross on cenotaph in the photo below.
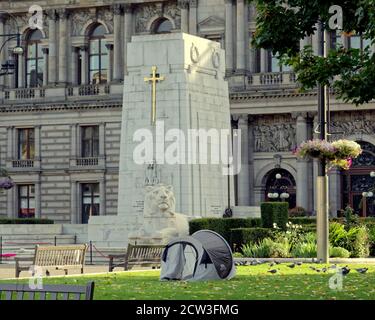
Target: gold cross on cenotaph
x,y
154,79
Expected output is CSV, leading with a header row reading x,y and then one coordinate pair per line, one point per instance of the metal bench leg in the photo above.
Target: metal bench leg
x,y
66,271
82,270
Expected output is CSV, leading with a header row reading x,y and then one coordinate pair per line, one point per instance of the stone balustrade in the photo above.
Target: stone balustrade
x,y
60,93
261,81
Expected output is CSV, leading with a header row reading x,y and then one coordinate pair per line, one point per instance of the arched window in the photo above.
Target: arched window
x,y
163,26
98,56
34,59
278,181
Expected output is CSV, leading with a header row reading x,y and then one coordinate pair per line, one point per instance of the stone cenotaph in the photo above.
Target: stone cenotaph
x,y
175,115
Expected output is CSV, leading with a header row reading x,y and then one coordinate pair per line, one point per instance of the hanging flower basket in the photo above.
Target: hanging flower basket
x,y
338,153
6,181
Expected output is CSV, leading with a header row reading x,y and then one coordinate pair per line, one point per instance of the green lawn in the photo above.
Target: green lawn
x,y
251,282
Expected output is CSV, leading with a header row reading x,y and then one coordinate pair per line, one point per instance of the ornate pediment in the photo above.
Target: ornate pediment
x,y
211,24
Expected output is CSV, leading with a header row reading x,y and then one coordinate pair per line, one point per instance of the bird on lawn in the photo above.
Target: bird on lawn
x,y
277,262
299,263
345,270
324,269
47,273
312,268
333,266
271,264
361,270
318,270
272,271
292,265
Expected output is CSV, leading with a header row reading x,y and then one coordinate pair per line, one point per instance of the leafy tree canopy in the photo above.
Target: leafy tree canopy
x,y
281,24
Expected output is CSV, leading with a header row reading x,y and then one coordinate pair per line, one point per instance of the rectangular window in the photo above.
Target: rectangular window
x,y
26,201
90,141
90,201
26,144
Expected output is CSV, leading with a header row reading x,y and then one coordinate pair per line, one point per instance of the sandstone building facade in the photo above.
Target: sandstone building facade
x,y
60,109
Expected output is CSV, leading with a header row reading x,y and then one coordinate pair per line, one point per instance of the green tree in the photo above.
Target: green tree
x,y
281,24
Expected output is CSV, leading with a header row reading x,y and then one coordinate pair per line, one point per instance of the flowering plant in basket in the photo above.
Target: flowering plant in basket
x,y
339,153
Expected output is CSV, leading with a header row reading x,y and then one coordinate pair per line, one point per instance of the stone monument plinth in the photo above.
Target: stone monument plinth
x,y
175,83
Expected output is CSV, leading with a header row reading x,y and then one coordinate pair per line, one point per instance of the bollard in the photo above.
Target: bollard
x,y
90,252
55,241
75,239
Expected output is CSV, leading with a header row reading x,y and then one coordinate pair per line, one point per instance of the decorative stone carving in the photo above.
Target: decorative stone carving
x,y
145,12
161,223
116,9
80,19
346,128
274,137
106,15
194,53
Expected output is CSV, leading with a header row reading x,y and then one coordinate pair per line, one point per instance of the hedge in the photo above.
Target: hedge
x,y
25,221
223,225
241,236
302,220
274,212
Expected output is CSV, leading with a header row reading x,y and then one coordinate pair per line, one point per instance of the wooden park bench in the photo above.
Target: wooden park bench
x,y
48,292
143,255
54,257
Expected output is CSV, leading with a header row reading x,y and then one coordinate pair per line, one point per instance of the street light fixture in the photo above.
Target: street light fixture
x,y
280,190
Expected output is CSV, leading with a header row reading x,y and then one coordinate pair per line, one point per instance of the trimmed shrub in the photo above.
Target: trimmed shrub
x,y
297,212
223,225
25,221
237,255
355,240
371,235
304,250
241,236
302,220
358,242
274,212
338,252
267,248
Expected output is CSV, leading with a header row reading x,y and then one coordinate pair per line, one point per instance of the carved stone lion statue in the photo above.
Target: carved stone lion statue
x,y
159,217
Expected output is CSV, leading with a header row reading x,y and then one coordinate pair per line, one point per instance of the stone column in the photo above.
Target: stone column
x,y
84,65
184,7
243,181
63,44
74,66
316,40
37,142
193,5
128,30
21,71
240,36
52,70
229,35
73,141
263,60
102,208
117,43
306,41
251,162
302,165
38,199
102,139
334,191
11,202
3,56
110,62
10,144
73,203
45,70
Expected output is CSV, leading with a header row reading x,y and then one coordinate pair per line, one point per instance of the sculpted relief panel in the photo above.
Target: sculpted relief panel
x,y
145,12
274,137
81,18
